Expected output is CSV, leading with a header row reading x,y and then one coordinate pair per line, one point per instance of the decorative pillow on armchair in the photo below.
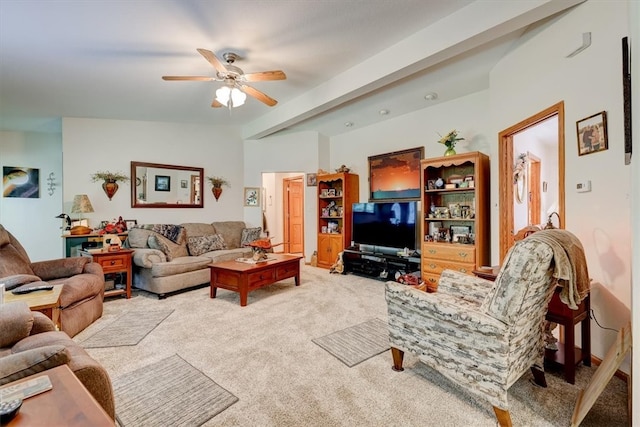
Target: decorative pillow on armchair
x,y
249,235
199,245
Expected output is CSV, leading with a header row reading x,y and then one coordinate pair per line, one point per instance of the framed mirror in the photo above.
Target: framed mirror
x,y
155,185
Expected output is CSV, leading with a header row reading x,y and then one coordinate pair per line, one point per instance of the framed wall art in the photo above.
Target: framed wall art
x,y
592,134
20,182
395,176
251,196
312,180
163,183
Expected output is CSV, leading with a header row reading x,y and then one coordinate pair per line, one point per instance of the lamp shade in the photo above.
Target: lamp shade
x,y
81,204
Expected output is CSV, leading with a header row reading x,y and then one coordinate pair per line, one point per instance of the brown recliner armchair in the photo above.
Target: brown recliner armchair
x,y
29,344
82,295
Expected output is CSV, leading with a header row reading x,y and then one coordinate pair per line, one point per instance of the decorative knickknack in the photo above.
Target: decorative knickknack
x,y
109,181
216,185
449,140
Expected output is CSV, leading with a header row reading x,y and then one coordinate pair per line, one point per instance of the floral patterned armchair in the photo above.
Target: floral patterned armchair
x,y
479,334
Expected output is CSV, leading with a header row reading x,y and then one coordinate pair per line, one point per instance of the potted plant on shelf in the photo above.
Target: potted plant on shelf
x,y
109,181
449,140
216,185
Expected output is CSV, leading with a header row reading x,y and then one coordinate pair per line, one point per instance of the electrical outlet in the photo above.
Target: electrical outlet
x,y
583,187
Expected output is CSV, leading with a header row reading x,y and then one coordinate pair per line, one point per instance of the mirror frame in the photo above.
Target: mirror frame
x,y
506,161
134,199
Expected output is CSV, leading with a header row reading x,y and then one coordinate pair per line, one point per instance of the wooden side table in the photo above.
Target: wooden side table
x,y
114,262
46,302
68,403
559,313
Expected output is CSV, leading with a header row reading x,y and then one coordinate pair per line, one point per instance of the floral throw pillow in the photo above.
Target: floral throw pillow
x,y
199,245
249,235
170,249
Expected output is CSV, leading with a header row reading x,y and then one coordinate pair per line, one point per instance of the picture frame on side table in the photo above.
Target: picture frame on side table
x,y
252,196
130,223
592,134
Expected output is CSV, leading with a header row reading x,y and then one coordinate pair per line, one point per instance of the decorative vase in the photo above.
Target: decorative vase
x,y
110,187
450,151
217,191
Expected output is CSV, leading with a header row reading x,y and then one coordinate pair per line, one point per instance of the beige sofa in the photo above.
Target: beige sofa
x,y
163,265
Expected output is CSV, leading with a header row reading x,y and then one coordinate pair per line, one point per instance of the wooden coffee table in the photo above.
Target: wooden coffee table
x,y
46,302
243,278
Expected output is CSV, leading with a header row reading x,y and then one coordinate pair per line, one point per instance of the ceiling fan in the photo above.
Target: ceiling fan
x,y
232,94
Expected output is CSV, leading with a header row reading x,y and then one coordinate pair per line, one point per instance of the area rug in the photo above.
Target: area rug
x,y
170,392
128,329
357,343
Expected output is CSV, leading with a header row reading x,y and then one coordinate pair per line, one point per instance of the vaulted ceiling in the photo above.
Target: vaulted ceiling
x,y
345,60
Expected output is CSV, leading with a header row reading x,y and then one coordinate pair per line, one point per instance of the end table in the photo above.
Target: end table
x,y
114,262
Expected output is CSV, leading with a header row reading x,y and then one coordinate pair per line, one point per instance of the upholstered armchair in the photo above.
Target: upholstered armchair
x,y
83,291
485,335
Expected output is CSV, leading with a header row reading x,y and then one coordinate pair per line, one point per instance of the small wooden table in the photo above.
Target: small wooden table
x,y
559,313
243,277
68,403
46,302
114,262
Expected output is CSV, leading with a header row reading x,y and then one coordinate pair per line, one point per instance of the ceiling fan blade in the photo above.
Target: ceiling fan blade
x,y
192,78
258,95
264,75
216,104
213,60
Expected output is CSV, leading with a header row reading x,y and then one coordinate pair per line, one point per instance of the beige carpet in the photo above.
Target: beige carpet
x,y
263,354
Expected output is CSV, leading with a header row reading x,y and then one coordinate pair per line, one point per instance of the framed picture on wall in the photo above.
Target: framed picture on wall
x,y
312,180
163,183
592,134
251,196
395,176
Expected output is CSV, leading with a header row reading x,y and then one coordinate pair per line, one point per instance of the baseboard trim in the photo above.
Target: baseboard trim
x,y
618,374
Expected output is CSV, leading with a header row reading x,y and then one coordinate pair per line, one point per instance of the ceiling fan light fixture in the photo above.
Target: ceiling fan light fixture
x,y
230,97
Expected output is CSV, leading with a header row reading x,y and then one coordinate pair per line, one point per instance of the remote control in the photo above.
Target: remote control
x,y
26,289
9,409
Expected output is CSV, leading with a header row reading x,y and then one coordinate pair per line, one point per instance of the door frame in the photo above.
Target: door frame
x,y
505,160
285,211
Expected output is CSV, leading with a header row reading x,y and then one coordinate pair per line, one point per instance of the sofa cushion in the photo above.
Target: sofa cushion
x,y
249,235
195,229
200,244
16,321
138,237
170,249
231,231
29,362
179,265
16,280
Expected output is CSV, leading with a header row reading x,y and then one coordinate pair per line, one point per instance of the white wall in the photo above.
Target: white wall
x,y
468,115
299,152
587,83
90,145
32,221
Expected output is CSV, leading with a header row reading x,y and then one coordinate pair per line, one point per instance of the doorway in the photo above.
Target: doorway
x,y
293,211
531,159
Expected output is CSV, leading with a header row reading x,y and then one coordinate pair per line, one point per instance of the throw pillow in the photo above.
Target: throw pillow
x,y
199,245
170,249
249,235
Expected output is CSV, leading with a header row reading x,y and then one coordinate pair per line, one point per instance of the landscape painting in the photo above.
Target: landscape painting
x,y
395,176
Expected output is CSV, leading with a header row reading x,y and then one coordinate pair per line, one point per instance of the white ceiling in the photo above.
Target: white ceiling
x,y
345,60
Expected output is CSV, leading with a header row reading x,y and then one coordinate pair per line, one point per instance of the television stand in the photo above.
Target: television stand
x,y
374,265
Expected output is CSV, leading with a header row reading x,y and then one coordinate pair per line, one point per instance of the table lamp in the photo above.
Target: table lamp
x,y
81,204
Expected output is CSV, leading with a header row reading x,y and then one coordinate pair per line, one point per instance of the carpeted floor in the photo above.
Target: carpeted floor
x,y
128,329
264,354
169,392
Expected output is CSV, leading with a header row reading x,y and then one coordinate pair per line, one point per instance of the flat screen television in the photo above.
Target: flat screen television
x,y
385,225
